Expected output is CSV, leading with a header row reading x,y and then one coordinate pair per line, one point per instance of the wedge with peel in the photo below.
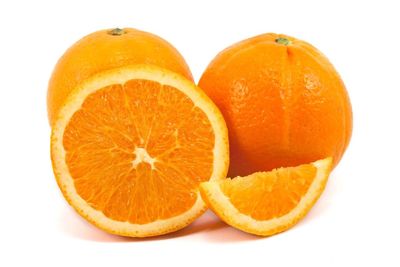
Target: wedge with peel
x,y
266,203
130,147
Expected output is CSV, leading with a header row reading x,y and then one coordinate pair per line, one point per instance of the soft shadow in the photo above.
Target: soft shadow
x,y
206,223
75,226
227,234
208,227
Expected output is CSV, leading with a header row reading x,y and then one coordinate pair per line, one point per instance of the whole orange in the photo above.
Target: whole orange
x,y
107,49
283,101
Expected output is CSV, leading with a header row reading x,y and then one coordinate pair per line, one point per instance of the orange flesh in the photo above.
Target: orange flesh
x,y
265,195
138,151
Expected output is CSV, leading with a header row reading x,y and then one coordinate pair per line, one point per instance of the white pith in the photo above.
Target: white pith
x,y
143,156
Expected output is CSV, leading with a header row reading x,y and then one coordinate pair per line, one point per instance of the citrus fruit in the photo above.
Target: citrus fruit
x,y
266,203
283,102
106,49
131,145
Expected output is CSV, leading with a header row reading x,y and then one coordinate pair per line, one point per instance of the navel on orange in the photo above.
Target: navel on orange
x,y
131,145
266,203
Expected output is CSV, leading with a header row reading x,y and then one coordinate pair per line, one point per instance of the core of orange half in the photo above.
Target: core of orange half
x,y
266,203
130,147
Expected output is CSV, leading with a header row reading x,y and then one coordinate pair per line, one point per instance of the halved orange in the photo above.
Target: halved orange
x,y
266,203
130,147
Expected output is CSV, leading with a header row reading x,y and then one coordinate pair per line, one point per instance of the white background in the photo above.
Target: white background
x,y
357,219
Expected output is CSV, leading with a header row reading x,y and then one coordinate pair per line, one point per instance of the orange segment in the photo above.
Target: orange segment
x,y
266,203
277,192
131,147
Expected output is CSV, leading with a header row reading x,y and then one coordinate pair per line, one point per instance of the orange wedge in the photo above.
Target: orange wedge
x,y
266,203
130,147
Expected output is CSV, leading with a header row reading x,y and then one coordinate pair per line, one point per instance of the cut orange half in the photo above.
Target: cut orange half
x,y
130,147
266,203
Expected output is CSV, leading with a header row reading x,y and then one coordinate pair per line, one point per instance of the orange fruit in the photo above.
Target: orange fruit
x,y
266,203
107,49
131,145
283,102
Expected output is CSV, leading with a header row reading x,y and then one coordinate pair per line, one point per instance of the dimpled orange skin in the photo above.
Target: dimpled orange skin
x,y
283,102
107,49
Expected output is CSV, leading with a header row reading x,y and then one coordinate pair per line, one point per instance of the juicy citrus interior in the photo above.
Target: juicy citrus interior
x,y
131,146
266,195
137,140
